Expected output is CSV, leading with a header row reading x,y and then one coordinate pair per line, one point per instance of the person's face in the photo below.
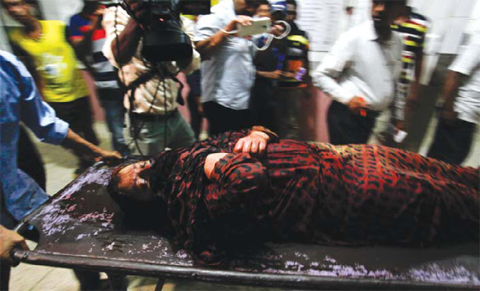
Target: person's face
x,y
291,13
132,184
245,7
263,11
18,10
384,12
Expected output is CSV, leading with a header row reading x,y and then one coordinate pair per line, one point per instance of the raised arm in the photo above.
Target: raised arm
x,y
209,37
123,35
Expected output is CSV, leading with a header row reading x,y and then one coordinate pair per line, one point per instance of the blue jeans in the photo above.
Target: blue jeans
x,y
112,103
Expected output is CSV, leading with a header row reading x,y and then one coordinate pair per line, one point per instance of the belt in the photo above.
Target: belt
x,y
153,117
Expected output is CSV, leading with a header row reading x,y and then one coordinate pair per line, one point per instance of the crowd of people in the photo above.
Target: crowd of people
x,y
234,82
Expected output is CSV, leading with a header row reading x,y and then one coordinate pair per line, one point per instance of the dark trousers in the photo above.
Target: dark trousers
x,y
79,115
194,81
223,119
452,142
263,105
29,159
347,128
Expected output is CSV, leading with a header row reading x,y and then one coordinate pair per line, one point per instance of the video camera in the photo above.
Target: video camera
x,y
164,38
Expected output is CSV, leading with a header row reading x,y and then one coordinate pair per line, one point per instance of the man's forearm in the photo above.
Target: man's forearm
x,y
207,47
79,145
452,82
125,46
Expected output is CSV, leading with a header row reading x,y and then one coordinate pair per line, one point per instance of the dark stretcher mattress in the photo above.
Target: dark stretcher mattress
x,y
81,226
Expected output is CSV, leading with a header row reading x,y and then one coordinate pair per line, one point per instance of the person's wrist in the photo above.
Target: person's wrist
x,y
260,134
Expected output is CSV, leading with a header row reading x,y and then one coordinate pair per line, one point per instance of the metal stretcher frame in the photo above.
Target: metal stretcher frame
x,y
82,228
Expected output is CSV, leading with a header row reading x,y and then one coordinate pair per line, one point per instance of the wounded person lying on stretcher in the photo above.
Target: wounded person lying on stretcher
x,y
244,185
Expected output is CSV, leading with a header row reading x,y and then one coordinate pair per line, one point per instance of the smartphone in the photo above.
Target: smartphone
x,y
258,26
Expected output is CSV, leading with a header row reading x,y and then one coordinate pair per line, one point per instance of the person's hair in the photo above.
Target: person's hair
x,y
263,2
255,3
138,214
292,2
112,187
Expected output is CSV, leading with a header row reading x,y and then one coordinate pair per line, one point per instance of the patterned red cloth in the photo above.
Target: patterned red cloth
x,y
349,195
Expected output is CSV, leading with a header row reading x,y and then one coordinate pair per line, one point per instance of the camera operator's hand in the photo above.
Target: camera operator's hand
x,y
100,10
242,20
137,7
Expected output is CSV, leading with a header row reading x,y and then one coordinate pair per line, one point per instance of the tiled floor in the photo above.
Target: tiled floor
x,y
60,166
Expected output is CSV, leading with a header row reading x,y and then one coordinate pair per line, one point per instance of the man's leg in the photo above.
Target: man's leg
x,y
180,134
78,115
147,137
112,104
287,112
223,119
452,142
347,128
30,160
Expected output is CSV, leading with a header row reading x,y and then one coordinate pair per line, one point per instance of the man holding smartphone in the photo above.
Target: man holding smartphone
x,y
227,65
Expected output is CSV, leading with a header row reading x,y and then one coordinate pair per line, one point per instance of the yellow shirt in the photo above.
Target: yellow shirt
x,y
55,61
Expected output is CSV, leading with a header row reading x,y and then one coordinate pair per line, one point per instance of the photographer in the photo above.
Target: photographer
x,y
227,65
154,95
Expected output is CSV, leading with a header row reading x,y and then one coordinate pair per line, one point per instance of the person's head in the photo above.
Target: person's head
x,y
263,9
90,6
246,7
349,10
132,180
19,10
291,10
404,15
141,209
385,12
279,10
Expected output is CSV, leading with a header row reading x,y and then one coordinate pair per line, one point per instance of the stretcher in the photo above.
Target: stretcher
x,y
81,227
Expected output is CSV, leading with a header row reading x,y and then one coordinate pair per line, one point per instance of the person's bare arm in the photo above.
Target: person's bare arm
x,y
255,143
452,82
208,46
76,143
125,46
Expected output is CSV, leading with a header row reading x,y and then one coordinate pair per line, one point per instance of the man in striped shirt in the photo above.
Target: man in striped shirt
x,y
413,28
87,36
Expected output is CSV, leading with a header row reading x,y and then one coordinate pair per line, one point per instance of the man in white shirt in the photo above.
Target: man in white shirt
x,y
154,107
228,72
360,74
461,108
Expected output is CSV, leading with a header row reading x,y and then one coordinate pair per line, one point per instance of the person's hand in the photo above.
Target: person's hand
x,y
448,115
137,8
254,143
358,105
100,10
277,29
288,75
108,155
241,20
275,74
399,125
8,240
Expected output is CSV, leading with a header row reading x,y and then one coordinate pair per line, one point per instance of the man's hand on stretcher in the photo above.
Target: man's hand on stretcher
x,y
254,143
